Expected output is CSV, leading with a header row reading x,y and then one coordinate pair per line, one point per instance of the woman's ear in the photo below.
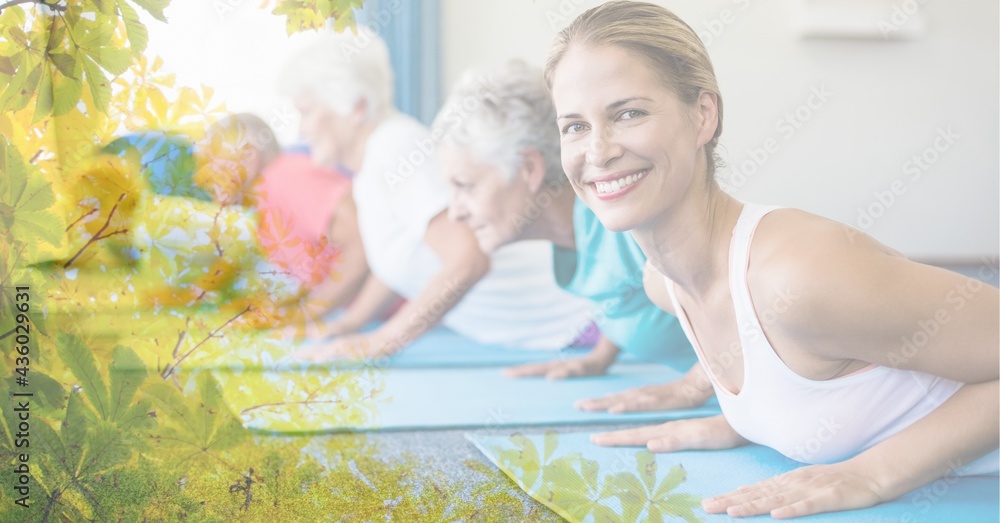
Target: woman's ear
x,y
532,169
708,116
360,112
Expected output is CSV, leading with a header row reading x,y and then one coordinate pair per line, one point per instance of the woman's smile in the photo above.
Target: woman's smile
x,y
615,186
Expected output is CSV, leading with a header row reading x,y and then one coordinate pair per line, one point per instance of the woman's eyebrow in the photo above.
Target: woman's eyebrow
x,y
611,107
619,103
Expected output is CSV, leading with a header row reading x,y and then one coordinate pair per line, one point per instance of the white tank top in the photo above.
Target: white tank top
x,y
807,420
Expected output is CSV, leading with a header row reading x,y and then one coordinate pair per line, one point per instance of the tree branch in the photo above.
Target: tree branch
x,y
169,370
97,236
78,220
53,6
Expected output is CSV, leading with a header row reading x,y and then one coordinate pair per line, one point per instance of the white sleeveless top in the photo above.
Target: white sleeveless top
x,y
398,191
807,420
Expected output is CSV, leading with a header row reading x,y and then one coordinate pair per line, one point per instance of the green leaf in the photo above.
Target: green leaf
x,y
6,66
17,35
674,478
107,447
99,85
57,32
50,393
138,36
65,63
629,489
43,101
21,88
603,514
126,374
214,418
49,447
551,442
73,432
654,515
81,363
41,225
645,465
66,93
25,198
195,432
154,7
137,418
13,16
682,506
106,7
561,473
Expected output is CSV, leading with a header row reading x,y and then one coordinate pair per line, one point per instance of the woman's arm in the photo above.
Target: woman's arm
x,y
859,301
855,299
338,292
463,264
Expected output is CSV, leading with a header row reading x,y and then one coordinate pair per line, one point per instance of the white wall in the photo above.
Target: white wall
x,y
235,48
889,101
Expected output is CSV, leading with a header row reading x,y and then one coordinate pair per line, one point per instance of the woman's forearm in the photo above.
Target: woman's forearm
x,y
422,313
352,279
605,351
373,300
961,430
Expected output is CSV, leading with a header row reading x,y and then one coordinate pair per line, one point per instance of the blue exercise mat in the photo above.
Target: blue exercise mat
x,y
582,481
438,348
409,399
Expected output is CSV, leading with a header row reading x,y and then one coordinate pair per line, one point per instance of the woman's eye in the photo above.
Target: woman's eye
x,y
573,128
631,114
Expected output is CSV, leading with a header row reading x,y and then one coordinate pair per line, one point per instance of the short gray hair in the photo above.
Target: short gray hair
x,y
340,69
498,124
249,129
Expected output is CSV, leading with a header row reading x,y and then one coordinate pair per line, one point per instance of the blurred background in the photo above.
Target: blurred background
x,y
882,114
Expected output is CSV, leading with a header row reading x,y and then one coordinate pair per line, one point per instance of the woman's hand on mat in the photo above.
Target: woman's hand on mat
x,y
562,369
808,490
372,345
338,327
595,363
688,434
674,395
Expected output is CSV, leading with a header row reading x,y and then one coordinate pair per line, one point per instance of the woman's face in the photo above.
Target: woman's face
x,y
328,134
630,147
484,198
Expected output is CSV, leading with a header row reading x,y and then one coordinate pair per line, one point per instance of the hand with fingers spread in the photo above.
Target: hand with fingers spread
x,y
712,433
321,328
690,391
802,492
373,345
594,363
558,370
668,396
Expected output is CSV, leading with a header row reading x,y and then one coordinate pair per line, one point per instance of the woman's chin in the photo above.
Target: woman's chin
x,y
617,220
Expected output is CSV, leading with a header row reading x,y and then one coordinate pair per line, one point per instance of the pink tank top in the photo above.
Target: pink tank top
x,y
296,200
807,420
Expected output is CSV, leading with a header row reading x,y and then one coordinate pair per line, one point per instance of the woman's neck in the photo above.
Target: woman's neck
x,y
690,243
555,221
356,157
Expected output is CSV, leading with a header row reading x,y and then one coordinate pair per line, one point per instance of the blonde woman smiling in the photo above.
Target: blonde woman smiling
x,y
502,162
640,114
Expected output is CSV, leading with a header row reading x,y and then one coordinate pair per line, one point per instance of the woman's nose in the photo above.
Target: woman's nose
x,y
457,211
602,150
